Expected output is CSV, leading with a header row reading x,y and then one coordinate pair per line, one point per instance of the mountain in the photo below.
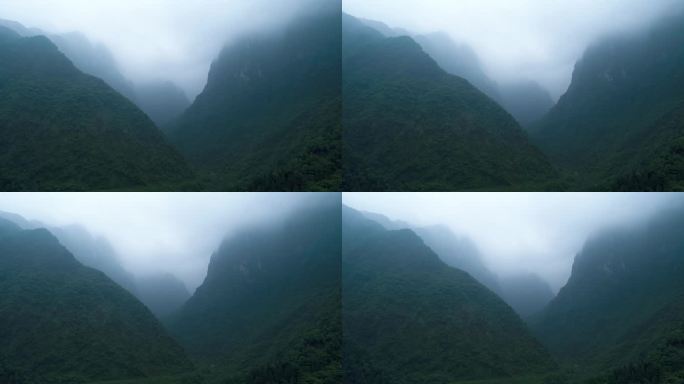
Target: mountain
x,y
459,60
20,28
459,252
623,306
409,125
94,252
621,118
62,322
410,318
163,294
163,102
269,307
526,293
383,28
269,116
95,60
526,101
89,250
456,251
63,130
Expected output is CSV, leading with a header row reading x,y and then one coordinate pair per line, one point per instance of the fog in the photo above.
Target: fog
x,y
520,39
521,232
154,233
157,39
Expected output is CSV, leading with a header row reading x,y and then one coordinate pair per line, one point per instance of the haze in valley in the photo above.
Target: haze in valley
x,y
519,233
520,40
157,233
158,40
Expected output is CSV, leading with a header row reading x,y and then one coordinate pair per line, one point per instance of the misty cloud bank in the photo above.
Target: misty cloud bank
x,y
521,232
520,40
155,40
156,233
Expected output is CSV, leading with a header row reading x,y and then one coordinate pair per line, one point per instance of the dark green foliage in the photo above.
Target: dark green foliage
x,y
94,252
408,125
526,101
269,117
409,318
63,130
459,252
624,303
270,304
459,60
61,322
616,124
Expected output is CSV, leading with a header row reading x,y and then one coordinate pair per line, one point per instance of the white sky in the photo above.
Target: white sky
x,y
157,232
156,39
520,232
519,39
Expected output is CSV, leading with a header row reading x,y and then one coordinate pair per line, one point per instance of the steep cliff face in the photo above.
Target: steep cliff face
x,y
623,303
270,113
271,298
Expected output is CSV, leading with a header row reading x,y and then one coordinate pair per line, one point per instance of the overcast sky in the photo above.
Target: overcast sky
x,y
157,232
519,39
520,232
157,39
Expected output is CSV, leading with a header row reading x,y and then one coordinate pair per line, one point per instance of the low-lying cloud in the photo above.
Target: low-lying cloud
x,y
157,232
520,232
157,39
520,39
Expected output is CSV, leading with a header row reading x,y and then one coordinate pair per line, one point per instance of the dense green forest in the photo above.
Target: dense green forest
x,y
61,322
526,293
268,311
269,117
408,125
63,130
619,319
410,318
618,127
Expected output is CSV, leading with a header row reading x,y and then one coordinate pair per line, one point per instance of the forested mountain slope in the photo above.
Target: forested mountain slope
x,y
410,318
61,322
269,116
624,303
408,125
63,130
269,308
619,125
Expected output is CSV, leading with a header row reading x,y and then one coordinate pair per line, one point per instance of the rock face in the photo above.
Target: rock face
x,y
411,126
63,130
401,303
624,302
270,113
620,122
271,299
64,322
